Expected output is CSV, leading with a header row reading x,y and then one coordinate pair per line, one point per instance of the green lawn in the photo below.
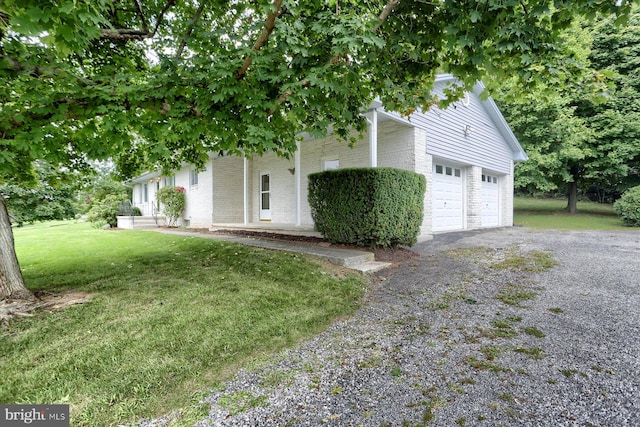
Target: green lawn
x,y
169,317
550,214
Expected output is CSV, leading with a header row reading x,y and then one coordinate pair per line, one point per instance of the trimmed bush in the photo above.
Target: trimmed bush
x,y
369,207
628,207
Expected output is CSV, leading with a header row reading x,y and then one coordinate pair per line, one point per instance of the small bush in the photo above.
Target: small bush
x,y
368,206
173,202
628,207
105,211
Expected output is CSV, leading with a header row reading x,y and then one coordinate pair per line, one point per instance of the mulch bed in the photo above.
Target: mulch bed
x,y
395,255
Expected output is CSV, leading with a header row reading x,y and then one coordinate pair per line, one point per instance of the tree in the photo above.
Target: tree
x,y
158,83
615,123
573,139
51,196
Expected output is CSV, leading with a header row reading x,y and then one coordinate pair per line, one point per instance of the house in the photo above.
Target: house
x,y
467,152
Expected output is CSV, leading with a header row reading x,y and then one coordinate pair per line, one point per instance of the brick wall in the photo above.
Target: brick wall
x,y
423,163
228,190
198,209
506,199
283,190
474,197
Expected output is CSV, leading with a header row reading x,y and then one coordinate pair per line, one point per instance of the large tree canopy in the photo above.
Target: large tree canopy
x,y
166,81
161,82
573,140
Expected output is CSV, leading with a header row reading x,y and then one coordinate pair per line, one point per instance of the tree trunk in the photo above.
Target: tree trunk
x,y
11,281
572,193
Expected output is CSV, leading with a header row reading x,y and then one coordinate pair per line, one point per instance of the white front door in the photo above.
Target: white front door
x,y
490,200
447,201
265,196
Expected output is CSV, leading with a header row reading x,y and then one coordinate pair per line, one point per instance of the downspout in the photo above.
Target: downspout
x,y
298,186
245,189
373,138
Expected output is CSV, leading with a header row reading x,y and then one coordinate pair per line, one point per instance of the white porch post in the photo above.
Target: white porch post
x,y
298,186
245,187
373,139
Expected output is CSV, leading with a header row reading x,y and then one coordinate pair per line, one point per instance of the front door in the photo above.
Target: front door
x,y
265,197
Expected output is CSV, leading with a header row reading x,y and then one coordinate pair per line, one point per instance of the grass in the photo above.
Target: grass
x,y
170,316
533,352
550,214
532,261
534,332
515,295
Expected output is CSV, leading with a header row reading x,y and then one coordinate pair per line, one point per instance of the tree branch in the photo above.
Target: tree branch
x,y
187,33
262,40
132,34
145,27
385,13
391,4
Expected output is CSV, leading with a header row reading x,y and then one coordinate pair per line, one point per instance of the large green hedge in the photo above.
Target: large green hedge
x,y
368,206
628,207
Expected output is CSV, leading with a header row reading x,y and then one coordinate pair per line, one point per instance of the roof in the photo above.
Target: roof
x,y
488,104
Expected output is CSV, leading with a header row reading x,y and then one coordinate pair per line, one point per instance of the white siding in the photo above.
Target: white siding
x,y
484,146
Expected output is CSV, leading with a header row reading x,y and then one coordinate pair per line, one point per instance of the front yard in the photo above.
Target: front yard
x,y
167,318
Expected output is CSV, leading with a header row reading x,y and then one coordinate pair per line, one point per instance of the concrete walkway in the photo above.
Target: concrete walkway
x,y
359,260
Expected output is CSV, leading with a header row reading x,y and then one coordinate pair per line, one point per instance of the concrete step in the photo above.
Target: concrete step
x,y
138,222
370,267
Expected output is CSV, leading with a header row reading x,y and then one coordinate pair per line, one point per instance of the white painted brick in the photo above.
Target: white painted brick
x,y
219,195
474,197
228,190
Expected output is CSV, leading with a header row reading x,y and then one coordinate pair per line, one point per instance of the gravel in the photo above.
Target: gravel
x,y
435,345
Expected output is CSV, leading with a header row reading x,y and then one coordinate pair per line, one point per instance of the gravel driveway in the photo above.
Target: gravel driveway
x,y
480,330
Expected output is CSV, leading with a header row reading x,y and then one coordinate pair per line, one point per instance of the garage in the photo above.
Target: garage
x,y
490,216
448,198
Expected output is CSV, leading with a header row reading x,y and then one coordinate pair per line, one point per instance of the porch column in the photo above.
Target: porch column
x,y
245,188
373,139
298,187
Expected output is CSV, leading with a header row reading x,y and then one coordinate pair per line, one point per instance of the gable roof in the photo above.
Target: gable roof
x,y
488,105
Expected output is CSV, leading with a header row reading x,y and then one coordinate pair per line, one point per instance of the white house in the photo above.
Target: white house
x,y
467,153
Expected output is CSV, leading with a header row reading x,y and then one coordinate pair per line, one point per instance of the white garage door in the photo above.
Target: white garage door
x,y
448,198
490,201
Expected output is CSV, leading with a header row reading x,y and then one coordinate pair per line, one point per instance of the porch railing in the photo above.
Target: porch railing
x,y
125,208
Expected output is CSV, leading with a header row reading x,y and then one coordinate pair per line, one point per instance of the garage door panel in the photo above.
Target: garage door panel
x,y
490,201
447,198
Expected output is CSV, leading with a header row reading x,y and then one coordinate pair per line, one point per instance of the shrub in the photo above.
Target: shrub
x,y
105,211
367,206
173,202
628,207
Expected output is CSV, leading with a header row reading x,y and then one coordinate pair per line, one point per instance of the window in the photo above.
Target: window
x,y
495,180
448,170
484,178
193,177
145,192
330,164
169,181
